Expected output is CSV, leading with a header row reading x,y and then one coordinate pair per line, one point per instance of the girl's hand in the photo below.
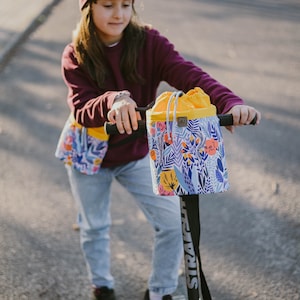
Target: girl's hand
x,y
243,115
124,115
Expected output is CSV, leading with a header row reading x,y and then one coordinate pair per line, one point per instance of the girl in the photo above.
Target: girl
x,y
113,65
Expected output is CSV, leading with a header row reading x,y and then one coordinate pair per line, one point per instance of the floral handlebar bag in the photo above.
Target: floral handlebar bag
x,y
186,146
82,148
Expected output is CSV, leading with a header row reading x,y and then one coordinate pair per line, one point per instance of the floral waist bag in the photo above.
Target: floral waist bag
x,y
186,147
82,148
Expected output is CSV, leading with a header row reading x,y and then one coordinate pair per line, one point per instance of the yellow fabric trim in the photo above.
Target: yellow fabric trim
x,y
194,104
193,99
196,113
96,132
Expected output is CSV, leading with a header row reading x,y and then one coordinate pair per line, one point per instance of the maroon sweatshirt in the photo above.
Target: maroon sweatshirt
x,y
158,61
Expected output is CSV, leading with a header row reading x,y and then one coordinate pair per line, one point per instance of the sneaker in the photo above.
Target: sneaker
x,y
103,293
165,297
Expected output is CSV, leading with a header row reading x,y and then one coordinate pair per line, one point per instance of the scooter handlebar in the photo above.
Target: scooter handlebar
x,y
111,129
225,120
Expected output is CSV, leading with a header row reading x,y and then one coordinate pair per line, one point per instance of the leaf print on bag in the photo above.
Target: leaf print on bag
x,y
176,147
219,176
220,165
213,132
152,154
194,126
182,182
188,149
168,180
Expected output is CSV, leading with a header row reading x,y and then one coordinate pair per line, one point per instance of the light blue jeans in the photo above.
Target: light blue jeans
x,y
92,196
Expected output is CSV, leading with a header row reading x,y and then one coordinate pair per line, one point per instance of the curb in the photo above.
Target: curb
x,y
11,46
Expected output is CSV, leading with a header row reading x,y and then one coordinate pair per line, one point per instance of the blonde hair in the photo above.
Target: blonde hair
x,y
89,49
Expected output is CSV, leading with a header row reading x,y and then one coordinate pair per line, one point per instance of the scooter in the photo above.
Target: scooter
x,y
196,284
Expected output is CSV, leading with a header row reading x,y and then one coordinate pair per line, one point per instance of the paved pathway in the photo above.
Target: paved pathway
x,y
18,18
250,237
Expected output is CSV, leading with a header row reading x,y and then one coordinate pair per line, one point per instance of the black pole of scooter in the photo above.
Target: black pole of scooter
x,y
190,218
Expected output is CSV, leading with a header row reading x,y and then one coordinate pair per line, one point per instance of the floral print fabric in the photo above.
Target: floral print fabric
x,y
187,160
80,150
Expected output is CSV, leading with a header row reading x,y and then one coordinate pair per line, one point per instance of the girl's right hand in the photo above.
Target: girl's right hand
x,y
124,115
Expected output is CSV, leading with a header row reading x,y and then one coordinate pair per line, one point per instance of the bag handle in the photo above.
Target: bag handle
x,y
174,95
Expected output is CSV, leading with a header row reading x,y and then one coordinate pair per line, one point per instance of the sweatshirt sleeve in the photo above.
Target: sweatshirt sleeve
x,y
88,104
184,75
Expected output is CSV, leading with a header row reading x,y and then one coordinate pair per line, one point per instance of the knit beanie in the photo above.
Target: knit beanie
x,y
82,3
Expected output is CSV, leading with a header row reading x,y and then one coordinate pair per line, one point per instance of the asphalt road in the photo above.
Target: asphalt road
x,y
250,235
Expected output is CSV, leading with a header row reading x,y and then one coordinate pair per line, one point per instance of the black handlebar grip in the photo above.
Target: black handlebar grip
x,y
227,120
111,129
253,122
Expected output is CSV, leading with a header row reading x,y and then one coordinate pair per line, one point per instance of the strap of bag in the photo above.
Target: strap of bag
x,y
174,96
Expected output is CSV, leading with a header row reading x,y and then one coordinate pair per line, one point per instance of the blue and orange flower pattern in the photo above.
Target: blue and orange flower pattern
x,y
83,152
187,160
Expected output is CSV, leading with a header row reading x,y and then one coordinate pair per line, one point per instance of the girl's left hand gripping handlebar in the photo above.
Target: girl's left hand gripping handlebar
x,y
225,120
